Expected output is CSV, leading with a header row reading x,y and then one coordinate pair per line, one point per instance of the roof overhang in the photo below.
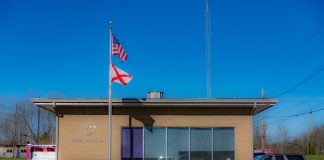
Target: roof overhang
x,y
134,106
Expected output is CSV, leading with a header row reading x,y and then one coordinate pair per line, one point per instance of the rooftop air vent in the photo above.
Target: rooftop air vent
x,y
155,94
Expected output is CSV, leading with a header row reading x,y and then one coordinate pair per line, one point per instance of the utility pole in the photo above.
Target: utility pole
x,y
263,134
14,142
308,131
263,127
38,124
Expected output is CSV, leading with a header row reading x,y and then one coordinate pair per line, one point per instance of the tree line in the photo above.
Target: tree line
x,y
22,122
310,142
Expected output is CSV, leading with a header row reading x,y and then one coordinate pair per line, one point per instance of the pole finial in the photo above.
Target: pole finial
x,y
110,25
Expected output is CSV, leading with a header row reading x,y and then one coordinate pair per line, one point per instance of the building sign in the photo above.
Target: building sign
x,y
88,134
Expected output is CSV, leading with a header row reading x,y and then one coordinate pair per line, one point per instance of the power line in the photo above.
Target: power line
x,y
307,99
312,108
308,40
275,122
296,115
288,117
301,82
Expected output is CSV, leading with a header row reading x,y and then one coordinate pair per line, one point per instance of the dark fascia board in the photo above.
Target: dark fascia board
x,y
257,104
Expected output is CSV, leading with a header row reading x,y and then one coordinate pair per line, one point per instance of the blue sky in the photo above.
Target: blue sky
x,y
62,46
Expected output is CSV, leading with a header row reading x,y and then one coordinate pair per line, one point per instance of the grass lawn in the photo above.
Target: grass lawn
x,y
1,158
315,157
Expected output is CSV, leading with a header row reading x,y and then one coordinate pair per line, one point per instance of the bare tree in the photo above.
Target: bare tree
x,y
38,122
296,146
317,139
11,129
283,137
21,125
27,113
47,125
256,136
7,130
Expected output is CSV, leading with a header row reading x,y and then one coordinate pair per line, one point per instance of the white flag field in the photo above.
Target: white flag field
x,y
120,76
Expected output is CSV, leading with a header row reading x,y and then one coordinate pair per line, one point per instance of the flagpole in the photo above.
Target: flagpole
x,y
110,92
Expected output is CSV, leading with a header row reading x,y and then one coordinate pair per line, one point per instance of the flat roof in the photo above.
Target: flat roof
x,y
223,106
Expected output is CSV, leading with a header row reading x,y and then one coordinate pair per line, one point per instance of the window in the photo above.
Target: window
x,y
132,143
23,151
154,144
267,158
201,144
295,157
223,141
38,149
178,143
280,158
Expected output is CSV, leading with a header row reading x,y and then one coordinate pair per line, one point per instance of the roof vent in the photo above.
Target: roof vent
x,y
155,94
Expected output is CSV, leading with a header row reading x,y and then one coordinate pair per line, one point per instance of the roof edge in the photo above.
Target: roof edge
x,y
258,104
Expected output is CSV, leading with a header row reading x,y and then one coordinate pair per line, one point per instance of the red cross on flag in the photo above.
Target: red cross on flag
x,y
120,76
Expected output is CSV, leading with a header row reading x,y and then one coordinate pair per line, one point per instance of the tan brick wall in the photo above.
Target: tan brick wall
x,y
80,140
85,136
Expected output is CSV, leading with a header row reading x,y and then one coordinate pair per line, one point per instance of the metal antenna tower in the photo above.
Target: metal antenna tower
x,y
208,51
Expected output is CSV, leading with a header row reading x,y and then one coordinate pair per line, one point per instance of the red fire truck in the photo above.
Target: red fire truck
x,y
40,152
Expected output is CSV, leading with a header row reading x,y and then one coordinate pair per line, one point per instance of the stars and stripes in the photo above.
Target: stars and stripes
x,y
118,50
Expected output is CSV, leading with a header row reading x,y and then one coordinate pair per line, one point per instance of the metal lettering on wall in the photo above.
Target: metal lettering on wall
x,y
88,135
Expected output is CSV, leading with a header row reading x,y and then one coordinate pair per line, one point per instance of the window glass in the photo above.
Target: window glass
x,y
223,141
132,143
267,158
295,157
200,144
154,143
178,144
258,157
279,158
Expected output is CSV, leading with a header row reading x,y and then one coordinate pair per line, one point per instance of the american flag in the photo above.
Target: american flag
x,y
118,50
